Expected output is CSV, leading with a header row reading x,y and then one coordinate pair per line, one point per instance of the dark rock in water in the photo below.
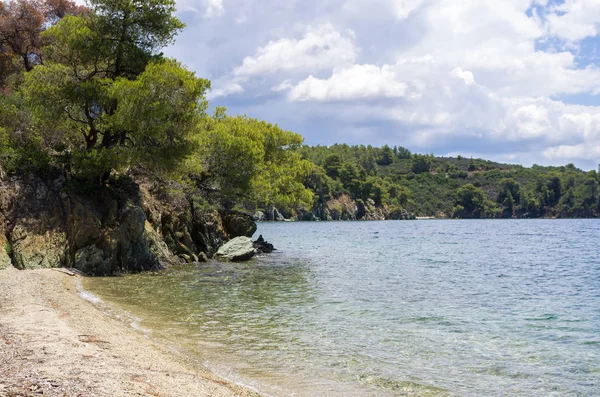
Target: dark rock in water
x,y
237,250
237,224
263,246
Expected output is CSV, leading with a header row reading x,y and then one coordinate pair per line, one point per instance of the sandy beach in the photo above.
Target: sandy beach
x,y
54,343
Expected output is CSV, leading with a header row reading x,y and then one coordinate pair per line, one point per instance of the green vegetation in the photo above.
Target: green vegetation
x,y
87,92
451,187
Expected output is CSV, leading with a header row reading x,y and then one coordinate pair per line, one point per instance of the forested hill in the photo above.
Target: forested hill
x,y
426,185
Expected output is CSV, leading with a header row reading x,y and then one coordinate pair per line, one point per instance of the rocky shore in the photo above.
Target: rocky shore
x,y
53,343
135,223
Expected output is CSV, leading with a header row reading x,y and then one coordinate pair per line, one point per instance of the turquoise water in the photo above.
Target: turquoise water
x,y
432,308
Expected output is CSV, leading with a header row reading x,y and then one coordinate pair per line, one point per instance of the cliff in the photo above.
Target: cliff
x,y
135,223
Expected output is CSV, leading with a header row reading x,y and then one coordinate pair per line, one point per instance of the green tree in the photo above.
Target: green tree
x,y
403,153
508,205
253,162
472,166
554,190
386,156
420,164
333,165
509,185
350,177
470,201
105,96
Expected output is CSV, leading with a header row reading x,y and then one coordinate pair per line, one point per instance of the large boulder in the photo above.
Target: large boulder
x,y
237,249
237,224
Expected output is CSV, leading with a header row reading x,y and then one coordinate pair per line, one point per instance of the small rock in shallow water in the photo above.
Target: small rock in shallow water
x,y
263,246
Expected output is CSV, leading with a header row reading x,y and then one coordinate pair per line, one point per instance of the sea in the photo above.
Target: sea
x,y
388,308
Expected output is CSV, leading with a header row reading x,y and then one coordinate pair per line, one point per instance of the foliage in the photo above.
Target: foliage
x,y
104,99
253,161
429,186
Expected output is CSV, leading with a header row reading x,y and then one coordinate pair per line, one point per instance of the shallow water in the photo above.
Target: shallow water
x,y
432,308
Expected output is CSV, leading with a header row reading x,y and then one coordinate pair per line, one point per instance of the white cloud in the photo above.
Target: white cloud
x,y
225,89
357,82
214,9
570,152
575,20
439,73
403,8
322,47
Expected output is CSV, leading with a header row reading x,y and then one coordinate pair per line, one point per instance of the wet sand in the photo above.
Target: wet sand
x,y
54,343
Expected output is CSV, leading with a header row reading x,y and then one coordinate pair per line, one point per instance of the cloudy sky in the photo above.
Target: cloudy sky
x,y
509,80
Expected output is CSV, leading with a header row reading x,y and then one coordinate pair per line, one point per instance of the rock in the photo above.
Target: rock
x,y
202,257
274,215
91,260
259,216
83,224
237,224
277,215
5,248
342,208
260,245
38,251
237,249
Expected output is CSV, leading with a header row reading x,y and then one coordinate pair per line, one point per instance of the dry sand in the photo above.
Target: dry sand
x,y
54,343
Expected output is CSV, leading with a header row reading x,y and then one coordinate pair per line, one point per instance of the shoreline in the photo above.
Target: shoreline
x,y
53,342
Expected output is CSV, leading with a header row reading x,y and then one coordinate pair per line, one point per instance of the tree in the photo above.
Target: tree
x,y
253,162
470,201
403,153
332,166
509,185
105,95
21,25
420,164
472,166
508,205
350,177
386,156
554,190
590,194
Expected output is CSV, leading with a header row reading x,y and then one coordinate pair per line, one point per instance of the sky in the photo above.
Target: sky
x,y
516,81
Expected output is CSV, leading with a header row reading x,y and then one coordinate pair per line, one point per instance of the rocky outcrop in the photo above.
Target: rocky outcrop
x,y
342,208
368,211
263,246
273,214
399,214
133,224
236,224
236,250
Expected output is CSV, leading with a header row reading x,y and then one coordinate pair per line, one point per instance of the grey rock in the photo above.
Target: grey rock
x,y
237,250
259,216
91,260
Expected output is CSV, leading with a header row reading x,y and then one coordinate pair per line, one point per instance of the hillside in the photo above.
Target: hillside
x,y
425,185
